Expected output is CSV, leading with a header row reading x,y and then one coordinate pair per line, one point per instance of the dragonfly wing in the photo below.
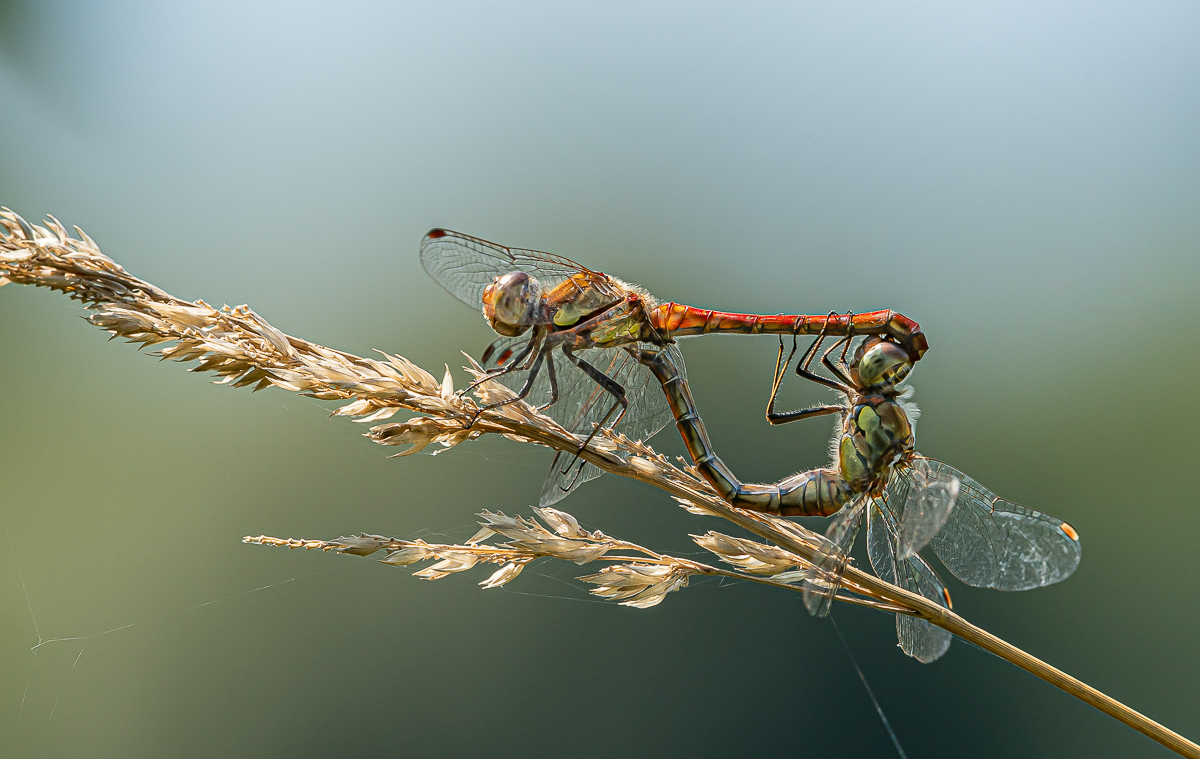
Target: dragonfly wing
x,y
567,472
649,411
576,392
465,265
829,564
925,497
989,542
918,638
583,404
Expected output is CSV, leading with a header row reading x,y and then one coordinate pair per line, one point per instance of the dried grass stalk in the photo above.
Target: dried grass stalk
x,y
245,351
639,576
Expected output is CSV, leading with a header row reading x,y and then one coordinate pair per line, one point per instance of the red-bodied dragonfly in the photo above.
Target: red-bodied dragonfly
x,y
542,305
909,501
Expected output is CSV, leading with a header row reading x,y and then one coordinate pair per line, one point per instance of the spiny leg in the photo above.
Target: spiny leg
x,y
553,382
807,359
810,354
781,368
578,455
528,386
820,409
520,362
609,385
841,370
791,416
525,389
849,334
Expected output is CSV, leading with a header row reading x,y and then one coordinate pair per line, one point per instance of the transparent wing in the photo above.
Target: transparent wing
x,y
921,499
989,542
585,405
919,639
582,404
464,265
829,564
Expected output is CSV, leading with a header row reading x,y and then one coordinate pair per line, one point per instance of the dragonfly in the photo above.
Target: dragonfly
x,y
545,307
908,501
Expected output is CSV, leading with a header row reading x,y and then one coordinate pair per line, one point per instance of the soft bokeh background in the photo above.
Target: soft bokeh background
x,y
1024,180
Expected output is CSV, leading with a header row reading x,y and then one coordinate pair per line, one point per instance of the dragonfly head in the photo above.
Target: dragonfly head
x,y
880,364
510,301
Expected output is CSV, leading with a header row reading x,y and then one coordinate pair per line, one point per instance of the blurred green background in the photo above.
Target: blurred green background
x,y
1024,180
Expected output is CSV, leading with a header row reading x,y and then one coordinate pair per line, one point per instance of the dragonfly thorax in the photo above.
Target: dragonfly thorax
x,y
876,435
510,303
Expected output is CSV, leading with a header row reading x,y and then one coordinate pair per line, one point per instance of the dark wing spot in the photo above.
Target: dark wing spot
x,y
435,233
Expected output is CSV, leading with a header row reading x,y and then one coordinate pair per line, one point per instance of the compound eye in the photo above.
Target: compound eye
x,y
883,363
861,351
510,301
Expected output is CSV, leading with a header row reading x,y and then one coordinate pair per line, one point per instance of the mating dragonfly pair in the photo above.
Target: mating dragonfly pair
x,y
626,373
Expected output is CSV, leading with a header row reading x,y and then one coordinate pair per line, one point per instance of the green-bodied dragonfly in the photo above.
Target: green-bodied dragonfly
x,y
909,501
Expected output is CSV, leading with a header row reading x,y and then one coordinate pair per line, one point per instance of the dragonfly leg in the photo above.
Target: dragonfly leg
x,y
525,389
774,417
846,349
528,386
520,362
553,382
809,412
606,382
802,367
817,493
609,385
807,359
523,360
600,378
840,369
781,368
577,462
578,458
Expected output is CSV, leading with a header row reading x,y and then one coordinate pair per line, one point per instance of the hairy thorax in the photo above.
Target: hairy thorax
x,y
875,434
